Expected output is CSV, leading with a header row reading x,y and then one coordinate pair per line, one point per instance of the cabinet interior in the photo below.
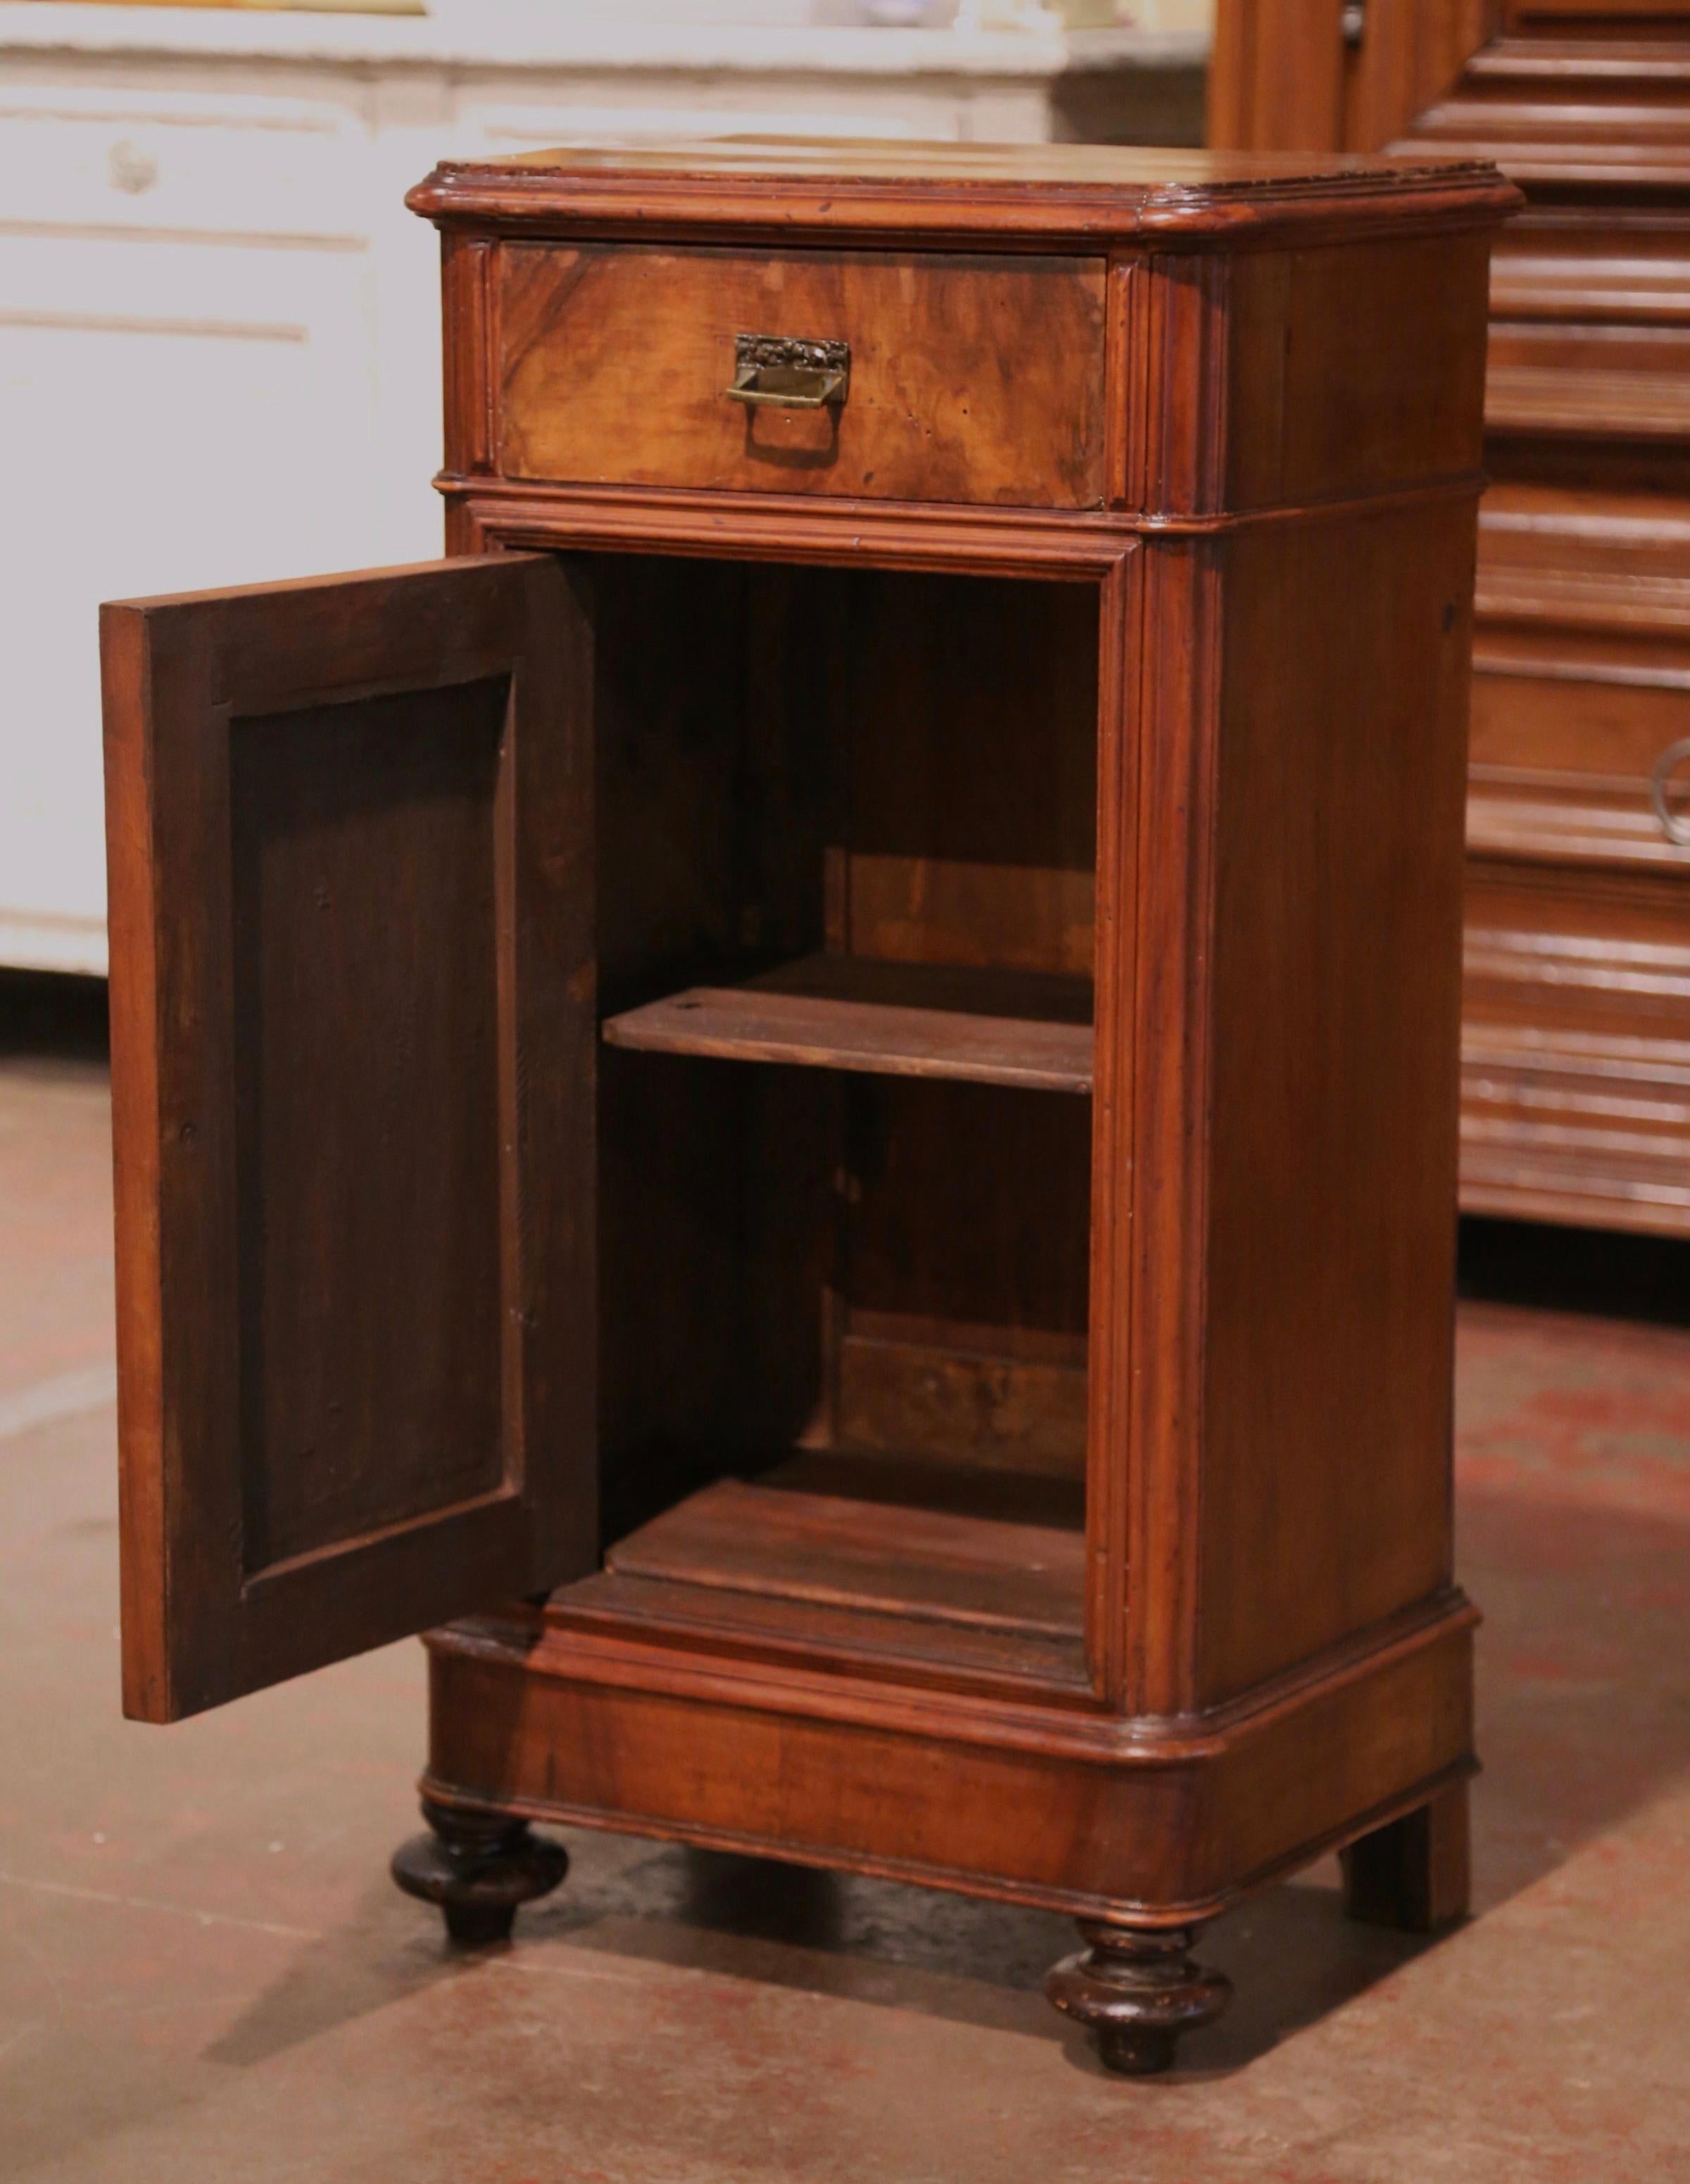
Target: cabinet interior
x,y
846,852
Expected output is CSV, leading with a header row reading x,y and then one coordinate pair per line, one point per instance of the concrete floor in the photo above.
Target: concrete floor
x,y
205,1976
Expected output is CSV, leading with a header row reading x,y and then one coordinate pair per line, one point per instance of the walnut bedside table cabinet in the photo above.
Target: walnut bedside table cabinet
x,y
614,1144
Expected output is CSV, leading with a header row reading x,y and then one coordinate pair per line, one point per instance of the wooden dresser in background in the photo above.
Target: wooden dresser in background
x,y
1577,1044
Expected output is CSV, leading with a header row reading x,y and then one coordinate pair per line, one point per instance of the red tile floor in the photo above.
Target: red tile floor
x,y
205,1977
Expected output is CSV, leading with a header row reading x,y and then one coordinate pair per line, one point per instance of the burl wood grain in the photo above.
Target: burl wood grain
x,y
973,379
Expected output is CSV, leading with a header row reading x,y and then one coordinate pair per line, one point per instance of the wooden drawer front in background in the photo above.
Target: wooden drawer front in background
x,y
1575,1047
1562,755
1611,721
973,379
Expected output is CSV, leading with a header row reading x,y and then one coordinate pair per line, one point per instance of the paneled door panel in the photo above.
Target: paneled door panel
x,y
353,1055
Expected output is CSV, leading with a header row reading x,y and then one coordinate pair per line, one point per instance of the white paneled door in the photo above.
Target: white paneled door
x,y
187,385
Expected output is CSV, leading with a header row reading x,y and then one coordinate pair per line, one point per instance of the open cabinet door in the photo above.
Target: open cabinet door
x,y
353,1041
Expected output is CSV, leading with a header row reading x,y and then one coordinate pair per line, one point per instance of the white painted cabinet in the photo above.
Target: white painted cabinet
x,y
217,324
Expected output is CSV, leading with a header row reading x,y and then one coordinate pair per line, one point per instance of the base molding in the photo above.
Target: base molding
x,y
544,1723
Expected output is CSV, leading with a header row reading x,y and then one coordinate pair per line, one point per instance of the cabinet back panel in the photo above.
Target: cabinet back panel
x,y
716,1231
364,875
714,759
962,1275
971,831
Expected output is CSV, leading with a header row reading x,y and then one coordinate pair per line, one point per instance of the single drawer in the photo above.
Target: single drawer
x,y
971,379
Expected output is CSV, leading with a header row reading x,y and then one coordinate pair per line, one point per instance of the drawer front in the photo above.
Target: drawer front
x,y
1567,742
1558,944
1608,722
972,379
1575,1049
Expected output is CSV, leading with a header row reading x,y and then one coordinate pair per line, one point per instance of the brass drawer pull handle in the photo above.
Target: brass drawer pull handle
x,y
776,371
1676,828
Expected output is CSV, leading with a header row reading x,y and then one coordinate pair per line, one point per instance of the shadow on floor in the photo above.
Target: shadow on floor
x,y
1592,1271
1291,1955
1573,1532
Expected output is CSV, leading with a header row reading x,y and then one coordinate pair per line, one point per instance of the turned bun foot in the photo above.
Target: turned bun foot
x,y
1136,1991
478,1869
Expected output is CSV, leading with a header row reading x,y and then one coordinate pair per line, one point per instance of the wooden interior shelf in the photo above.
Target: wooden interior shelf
x,y
775,1561
1027,1029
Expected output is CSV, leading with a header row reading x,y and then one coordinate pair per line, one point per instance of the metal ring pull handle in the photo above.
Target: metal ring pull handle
x,y
781,372
1675,828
